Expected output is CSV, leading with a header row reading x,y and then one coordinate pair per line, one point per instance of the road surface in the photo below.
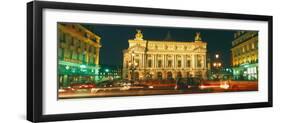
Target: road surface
x,y
157,89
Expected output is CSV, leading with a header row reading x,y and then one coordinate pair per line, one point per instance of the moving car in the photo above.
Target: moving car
x,y
82,85
66,90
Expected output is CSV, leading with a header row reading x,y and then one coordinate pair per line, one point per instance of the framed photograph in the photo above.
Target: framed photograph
x,y
95,61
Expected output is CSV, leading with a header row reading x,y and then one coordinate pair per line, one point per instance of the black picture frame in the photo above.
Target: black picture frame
x,y
35,69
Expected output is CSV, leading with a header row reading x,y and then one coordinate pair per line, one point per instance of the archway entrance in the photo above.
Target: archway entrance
x,y
169,75
179,75
136,75
198,74
188,74
159,75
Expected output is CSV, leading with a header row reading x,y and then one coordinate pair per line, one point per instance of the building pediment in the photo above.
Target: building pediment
x,y
137,48
199,49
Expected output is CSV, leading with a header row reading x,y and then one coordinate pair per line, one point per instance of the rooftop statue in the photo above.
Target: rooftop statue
x,y
198,37
139,35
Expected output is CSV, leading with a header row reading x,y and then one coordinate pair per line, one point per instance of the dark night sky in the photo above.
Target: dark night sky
x,y
114,38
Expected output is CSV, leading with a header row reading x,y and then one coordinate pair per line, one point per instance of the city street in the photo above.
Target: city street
x,y
161,89
91,63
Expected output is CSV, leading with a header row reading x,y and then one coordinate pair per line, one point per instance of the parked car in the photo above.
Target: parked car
x,y
187,83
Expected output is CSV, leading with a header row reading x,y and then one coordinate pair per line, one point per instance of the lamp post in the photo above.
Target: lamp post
x,y
217,64
133,65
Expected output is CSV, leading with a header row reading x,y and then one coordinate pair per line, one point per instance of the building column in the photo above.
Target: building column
x,y
141,75
204,61
174,61
142,61
183,73
164,75
193,65
154,74
174,74
193,61
124,66
97,56
152,60
182,61
164,61
129,75
155,61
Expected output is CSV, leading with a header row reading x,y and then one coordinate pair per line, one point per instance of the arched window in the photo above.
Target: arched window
x,y
159,63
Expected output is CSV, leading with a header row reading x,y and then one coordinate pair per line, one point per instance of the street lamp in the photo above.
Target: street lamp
x,y
107,70
217,56
217,66
133,66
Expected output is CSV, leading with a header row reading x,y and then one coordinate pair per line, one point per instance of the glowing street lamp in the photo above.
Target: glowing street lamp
x,y
107,70
214,64
217,66
217,56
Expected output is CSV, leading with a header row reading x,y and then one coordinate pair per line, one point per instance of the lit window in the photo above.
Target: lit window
x,y
149,63
188,63
170,63
137,62
159,63
179,63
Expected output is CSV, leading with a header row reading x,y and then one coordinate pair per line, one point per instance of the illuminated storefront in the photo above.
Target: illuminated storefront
x,y
78,55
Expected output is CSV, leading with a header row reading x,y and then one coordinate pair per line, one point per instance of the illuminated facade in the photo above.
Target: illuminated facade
x,y
78,54
151,59
245,55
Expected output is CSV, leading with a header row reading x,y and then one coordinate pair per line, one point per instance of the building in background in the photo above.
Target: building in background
x,y
168,59
78,54
107,72
215,64
217,68
244,54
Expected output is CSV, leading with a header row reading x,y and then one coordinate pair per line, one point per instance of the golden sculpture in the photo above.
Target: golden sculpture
x,y
139,35
198,37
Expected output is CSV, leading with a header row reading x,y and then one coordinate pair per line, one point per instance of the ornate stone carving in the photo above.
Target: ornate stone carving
x,y
198,37
176,57
139,35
